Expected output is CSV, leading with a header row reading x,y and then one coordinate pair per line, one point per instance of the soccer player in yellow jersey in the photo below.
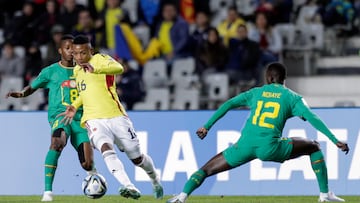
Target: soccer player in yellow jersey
x,y
105,118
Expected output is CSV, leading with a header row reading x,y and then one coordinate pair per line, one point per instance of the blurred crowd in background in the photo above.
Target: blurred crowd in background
x,y
230,39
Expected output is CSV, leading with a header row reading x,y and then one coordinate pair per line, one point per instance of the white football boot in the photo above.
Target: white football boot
x,y
329,197
47,196
180,198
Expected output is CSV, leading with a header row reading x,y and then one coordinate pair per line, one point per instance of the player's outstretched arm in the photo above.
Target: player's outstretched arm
x,y
24,93
318,124
232,103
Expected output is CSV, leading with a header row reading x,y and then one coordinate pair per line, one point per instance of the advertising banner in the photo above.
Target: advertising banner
x,y
169,138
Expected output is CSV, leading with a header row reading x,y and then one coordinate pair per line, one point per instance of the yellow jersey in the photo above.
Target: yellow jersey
x,y
228,30
97,90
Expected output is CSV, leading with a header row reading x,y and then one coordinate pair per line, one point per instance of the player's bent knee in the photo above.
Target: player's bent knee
x,y
316,146
58,132
138,161
57,146
57,143
106,147
317,143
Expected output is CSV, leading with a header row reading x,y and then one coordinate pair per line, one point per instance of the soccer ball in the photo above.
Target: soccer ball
x,y
94,186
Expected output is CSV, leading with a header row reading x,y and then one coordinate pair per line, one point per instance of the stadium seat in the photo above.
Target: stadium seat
x,y
215,5
287,33
305,14
338,65
219,10
107,51
217,85
299,55
333,91
10,84
245,7
352,46
154,74
32,102
182,73
43,50
20,51
156,99
186,99
313,35
131,7
143,33
133,64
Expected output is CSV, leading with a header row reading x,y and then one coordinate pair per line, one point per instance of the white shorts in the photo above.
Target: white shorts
x,y
118,131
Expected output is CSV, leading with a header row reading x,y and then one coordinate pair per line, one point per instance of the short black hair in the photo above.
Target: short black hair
x,y
67,37
276,72
81,39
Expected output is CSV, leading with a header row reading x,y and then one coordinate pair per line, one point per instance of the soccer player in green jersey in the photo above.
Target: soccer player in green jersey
x,y
58,78
270,106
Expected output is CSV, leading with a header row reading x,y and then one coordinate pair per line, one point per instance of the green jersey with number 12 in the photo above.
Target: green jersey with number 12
x,y
270,106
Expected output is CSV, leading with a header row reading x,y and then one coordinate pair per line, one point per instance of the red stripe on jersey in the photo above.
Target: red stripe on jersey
x,y
109,82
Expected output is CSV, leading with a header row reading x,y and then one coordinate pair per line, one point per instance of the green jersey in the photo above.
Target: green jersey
x,y
270,106
62,88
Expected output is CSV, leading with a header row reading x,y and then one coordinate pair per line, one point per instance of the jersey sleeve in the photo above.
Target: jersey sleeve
x,y
302,110
41,80
235,102
107,65
77,103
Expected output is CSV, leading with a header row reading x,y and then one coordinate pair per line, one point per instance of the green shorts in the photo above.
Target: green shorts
x,y
76,133
245,150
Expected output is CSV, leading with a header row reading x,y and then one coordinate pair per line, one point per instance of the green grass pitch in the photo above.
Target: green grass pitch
x,y
192,199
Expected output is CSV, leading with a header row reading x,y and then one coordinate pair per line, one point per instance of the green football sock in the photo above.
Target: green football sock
x,y
50,168
319,166
194,182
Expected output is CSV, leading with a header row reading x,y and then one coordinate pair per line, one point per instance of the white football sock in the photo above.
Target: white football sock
x,y
116,167
148,165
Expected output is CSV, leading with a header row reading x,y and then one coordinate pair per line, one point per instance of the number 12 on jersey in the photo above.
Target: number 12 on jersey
x,y
259,116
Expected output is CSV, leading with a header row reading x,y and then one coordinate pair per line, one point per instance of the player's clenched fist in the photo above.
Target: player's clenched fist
x,y
201,132
87,67
343,146
15,94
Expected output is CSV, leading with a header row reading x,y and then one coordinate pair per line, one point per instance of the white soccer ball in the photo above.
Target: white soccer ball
x,y
94,186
